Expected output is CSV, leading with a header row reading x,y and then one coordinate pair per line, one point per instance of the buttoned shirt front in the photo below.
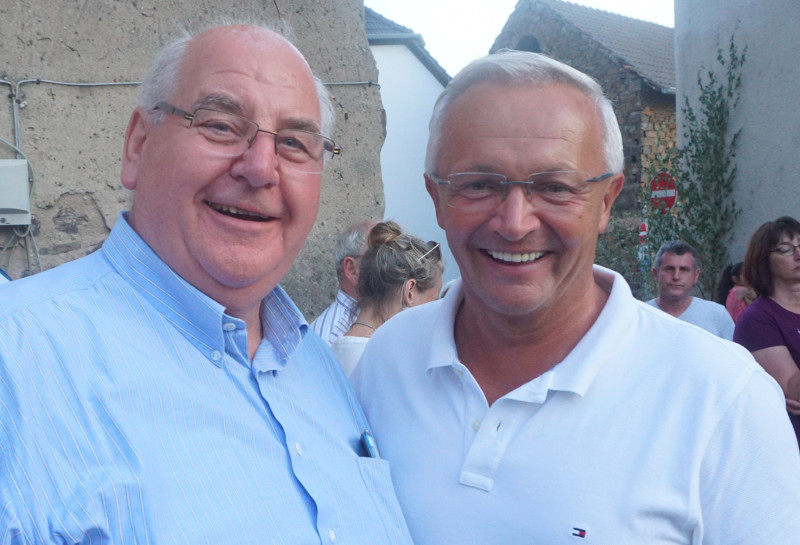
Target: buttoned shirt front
x,y
131,413
649,431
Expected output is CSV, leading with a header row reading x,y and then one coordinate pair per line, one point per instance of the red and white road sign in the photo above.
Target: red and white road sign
x,y
663,191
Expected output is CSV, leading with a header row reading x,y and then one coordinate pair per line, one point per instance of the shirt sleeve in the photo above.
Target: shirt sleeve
x,y
750,482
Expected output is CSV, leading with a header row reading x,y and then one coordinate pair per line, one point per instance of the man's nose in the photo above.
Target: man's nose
x,y
259,164
517,214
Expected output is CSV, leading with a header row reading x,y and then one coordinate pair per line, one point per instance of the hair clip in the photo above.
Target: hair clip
x,y
429,251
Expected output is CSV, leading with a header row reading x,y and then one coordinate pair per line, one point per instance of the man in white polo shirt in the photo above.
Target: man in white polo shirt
x,y
539,402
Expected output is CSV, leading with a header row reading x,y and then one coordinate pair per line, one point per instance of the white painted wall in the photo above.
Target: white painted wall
x,y
408,92
769,146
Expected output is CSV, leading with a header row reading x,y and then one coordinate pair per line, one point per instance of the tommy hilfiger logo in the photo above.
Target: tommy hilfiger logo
x,y
579,532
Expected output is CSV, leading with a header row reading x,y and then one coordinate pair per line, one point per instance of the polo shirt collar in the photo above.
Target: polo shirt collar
x,y
577,371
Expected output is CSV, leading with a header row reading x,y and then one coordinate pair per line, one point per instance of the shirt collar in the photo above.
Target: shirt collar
x,y
190,311
578,370
346,300
602,342
284,328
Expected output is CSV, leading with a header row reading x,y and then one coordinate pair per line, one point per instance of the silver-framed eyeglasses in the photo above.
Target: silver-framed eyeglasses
x,y
786,249
481,191
231,135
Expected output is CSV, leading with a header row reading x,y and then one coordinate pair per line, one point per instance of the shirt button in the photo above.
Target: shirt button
x,y
298,449
216,355
332,536
229,326
476,425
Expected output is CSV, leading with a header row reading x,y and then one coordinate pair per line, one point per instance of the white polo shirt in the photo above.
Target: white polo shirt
x,y
649,432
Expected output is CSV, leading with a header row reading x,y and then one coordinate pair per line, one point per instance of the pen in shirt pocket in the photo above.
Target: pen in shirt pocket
x,y
368,442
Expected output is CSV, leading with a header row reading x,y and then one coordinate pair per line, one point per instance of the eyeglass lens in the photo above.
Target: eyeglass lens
x,y
231,135
786,248
480,190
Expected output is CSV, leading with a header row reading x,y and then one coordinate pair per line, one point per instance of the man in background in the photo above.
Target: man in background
x,y
165,388
676,273
539,402
335,320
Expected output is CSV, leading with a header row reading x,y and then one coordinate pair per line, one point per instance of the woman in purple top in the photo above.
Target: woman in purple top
x,y
770,327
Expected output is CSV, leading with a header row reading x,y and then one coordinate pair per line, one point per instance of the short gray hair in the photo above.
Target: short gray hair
x,y
351,243
520,68
677,247
163,77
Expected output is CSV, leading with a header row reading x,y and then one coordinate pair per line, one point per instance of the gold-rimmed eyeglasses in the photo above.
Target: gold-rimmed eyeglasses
x,y
231,135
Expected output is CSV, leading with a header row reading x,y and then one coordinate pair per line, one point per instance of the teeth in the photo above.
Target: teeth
x,y
516,258
232,210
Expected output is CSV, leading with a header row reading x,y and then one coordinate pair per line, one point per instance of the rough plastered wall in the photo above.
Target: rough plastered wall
x,y
73,135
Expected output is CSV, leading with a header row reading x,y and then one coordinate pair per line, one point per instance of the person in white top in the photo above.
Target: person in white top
x,y
539,402
397,271
676,272
335,320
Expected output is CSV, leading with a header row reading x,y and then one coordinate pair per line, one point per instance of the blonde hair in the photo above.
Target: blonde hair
x,y
392,258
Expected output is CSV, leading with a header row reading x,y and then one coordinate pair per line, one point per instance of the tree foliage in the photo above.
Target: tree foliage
x,y
704,169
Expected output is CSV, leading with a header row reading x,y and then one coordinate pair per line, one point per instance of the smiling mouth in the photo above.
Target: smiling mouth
x,y
237,213
509,257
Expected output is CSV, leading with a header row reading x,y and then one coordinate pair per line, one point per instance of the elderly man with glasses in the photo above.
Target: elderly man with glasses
x,y
165,389
539,402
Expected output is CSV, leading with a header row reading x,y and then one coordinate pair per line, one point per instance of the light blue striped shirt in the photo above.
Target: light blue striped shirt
x,y
336,320
130,413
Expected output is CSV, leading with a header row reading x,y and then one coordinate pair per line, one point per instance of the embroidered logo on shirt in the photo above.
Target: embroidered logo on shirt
x,y
579,532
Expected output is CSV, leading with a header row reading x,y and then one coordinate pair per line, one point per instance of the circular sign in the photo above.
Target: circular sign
x,y
663,192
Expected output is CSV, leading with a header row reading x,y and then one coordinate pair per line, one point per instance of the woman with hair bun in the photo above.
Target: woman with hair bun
x,y
397,271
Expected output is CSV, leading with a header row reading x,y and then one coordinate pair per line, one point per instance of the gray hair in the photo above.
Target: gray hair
x,y
352,243
520,68
393,258
677,247
163,77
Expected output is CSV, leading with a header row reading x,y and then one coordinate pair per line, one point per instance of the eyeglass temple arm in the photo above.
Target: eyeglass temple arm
x,y
170,109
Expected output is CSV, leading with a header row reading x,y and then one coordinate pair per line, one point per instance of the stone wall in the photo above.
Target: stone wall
x,y
73,135
658,134
534,25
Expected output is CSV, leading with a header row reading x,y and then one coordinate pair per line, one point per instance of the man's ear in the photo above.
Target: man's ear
x,y
350,268
612,192
135,137
433,191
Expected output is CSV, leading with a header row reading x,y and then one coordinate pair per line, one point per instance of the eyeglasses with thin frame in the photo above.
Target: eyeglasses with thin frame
x,y
481,191
231,135
786,249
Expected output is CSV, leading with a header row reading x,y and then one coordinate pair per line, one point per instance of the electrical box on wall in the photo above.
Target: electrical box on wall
x,y
15,196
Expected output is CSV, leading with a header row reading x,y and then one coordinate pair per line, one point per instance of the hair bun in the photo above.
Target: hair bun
x,y
384,233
